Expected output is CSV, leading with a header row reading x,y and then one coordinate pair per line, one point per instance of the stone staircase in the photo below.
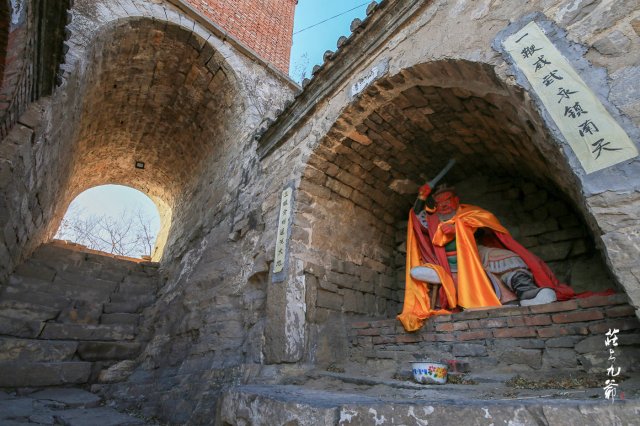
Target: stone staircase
x,y
67,315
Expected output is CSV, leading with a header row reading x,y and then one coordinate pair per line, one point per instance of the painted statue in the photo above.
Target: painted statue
x,y
473,260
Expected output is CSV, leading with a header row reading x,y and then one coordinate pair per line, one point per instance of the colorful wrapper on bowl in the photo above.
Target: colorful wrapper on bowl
x,y
426,372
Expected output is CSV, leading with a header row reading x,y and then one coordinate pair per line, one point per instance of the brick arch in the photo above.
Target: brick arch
x,y
363,177
153,95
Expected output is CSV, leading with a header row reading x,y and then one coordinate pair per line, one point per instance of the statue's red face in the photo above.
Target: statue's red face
x,y
446,202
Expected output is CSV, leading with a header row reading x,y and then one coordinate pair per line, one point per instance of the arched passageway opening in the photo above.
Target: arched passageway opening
x,y
159,106
115,219
364,175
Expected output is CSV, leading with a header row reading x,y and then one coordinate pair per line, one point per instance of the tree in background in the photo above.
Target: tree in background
x,y
132,234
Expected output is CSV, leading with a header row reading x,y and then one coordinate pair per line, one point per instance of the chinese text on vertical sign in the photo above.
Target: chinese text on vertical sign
x,y
283,229
610,389
595,137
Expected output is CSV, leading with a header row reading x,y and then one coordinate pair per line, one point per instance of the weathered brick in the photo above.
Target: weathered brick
x,y
439,337
361,324
555,331
473,335
493,323
468,315
382,340
408,338
568,305
603,327
620,311
368,332
579,316
514,332
593,301
448,326
515,321
537,320
441,318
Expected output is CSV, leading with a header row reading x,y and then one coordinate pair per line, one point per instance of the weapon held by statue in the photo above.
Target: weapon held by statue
x,y
433,182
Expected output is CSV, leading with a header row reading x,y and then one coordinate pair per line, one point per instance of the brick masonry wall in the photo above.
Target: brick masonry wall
x,y
567,336
266,26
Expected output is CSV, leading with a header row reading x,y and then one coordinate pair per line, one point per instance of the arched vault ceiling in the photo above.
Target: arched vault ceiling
x,y
156,96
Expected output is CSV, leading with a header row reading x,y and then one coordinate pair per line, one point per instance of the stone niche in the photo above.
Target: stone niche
x,y
362,179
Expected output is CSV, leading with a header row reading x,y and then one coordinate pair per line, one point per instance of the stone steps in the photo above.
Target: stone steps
x,y
34,350
65,315
37,374
61,406
289,404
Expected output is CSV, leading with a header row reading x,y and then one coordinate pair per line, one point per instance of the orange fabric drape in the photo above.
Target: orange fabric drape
x,y
417,308
474,288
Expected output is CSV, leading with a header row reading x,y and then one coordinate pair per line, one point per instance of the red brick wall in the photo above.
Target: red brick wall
x,y
266,26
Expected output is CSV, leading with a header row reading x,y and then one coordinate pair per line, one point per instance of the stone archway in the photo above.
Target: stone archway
x,y
152,114
363,177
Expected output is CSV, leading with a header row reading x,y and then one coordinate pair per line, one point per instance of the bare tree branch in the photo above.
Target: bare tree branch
x,y
131,234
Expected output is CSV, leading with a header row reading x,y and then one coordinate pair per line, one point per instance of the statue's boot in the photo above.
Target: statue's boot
x,y
527,291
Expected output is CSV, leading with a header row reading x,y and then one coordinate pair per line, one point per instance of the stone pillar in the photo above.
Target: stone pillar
x,y
286,316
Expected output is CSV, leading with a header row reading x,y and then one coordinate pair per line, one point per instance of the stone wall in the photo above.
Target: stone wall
x,y
360,156
145,81
561,337
153,80
30,54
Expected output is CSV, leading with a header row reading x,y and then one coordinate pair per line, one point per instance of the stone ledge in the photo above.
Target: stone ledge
x,y
515,335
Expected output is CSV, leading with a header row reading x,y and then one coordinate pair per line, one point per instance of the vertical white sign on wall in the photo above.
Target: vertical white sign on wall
x,y
595,137
282,236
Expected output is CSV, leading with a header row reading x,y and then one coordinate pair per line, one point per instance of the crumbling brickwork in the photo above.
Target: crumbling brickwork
x,y
265,26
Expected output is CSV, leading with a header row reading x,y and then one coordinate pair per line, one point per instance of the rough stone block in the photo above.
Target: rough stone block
x,y
27,311
70,397
22,374
529,357
87,416
125,307
120,318
81,312
614,43
107,351
36,270
20,327
35,297
469,349
553,252
329,300
87,332
117,372
559,358
27,350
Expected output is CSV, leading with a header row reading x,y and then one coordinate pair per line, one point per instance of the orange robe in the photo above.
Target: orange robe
x,y
474,290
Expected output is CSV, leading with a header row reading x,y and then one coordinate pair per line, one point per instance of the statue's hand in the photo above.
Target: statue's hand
x,y
448,228
424,191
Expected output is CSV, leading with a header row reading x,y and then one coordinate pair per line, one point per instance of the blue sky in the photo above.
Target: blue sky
x,y
313,42
308,48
